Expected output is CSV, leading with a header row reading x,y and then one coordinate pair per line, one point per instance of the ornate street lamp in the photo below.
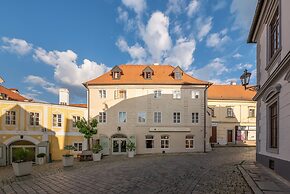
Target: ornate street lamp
x,y
245,79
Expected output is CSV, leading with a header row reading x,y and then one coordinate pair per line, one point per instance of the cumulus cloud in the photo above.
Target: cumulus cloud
x,y
243,12
17,46
137,5
217,40
175,6
203,25
182,53
192,7
41,82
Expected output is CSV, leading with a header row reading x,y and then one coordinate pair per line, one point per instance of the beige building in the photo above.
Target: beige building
x,y
39,127
159,107
270,31
233,114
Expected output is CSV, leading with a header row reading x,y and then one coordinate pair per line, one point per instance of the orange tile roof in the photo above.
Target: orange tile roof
x,y
79,105
12,95
132,74
230,92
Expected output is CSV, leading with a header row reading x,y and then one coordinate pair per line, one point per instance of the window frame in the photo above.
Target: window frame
x,y
103,93
149,139
270,148
251,114
176,94
103,116
75,119
124,114
275,33
138,116
120,94
158,114
78,146
57,121
232,112
34,119
157,94
10,119
195,94
163,141
189,141
176,117
195,117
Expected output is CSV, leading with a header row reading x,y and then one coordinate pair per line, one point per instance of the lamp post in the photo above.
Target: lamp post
x,y
245,79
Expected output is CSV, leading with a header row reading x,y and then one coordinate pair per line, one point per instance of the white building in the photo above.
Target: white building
x,y
159,107
270,30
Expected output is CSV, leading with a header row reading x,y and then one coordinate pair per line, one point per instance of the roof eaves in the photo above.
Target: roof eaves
x,y
255,21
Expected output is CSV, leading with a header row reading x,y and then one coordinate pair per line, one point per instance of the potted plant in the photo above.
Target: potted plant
x,y
23,164
68,159
131,149
41,158
97,152
88,128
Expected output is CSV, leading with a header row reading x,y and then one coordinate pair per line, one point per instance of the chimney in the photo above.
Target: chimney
x,y
15,90
233,82
155,63
63,96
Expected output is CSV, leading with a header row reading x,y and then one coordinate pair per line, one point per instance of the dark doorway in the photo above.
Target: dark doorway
x,y
213,135
230,136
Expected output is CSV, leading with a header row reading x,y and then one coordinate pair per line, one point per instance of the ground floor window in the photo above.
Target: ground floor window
x,y
189,141
149,141
273,118
78,146
165,141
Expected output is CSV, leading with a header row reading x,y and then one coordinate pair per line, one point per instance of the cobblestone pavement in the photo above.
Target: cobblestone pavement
x,y
213,172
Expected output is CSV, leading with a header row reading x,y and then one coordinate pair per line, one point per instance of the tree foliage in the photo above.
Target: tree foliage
x,y
88,128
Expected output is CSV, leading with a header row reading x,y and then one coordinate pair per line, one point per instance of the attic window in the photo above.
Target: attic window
x,y
177,73
148,73
116,75
116,72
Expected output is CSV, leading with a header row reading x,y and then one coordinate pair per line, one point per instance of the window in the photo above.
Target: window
x,y
195,94
116,75
10,118
177,75
194,117
102,117
230,112
141,117
157,94
147,75
75,120
157,117
273,110
57,120
149,141
189,140
252,112
212,109
78,146
275,34
176,117
176,94
34,119
103,93
122,117
120,94
164,141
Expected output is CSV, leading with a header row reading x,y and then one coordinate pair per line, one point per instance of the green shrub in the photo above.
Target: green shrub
x,y
22,155
97,148
69,148
131,146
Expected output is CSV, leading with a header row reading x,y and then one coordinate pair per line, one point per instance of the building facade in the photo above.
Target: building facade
x,y
270,31
158,107
39,127
233,114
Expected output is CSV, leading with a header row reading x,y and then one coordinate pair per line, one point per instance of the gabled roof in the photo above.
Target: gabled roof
x,y
12,95
177,69
148,69
230,92
132,75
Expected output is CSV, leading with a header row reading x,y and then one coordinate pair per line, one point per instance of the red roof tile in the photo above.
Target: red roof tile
x,y
230,92
12,95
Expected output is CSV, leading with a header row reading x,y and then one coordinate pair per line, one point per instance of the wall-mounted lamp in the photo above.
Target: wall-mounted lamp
x,y
245,79
119,128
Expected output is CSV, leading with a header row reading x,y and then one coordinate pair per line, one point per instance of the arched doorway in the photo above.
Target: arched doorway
x,y
119,142
20,144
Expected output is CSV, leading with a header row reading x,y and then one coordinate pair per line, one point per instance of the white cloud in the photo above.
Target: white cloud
x,y
244,66
175,6
123,16
41,82
237,55
136,52
217,40
243,11
17,46
156,36
203,25
137,5
182,53
193,7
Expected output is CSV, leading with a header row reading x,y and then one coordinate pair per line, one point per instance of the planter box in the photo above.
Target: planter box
x,y
131,154
67,161
97,157
22,168
41,161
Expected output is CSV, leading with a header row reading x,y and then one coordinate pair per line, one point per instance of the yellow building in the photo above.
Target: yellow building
x,y
40,127
233,114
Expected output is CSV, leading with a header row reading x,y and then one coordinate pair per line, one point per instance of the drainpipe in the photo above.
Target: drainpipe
x,y
205,115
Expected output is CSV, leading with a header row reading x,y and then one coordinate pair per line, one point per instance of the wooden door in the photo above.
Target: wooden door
x,y
230,136
213,135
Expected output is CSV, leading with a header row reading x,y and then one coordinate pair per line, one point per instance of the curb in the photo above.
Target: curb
x,y
250,181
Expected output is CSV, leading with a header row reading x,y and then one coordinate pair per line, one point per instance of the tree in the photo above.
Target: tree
x,y
88,128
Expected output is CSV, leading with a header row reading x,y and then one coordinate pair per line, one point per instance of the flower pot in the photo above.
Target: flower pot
x,y
67,161
22,168
131,154
97,157
41,160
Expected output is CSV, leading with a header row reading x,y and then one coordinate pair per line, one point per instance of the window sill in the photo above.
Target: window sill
x,y
273,150
273,59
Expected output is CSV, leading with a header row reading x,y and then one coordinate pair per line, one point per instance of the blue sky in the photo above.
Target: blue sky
x,y
45,45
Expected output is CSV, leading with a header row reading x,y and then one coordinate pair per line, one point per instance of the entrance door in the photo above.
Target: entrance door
x,y
213,134
119,145
230,136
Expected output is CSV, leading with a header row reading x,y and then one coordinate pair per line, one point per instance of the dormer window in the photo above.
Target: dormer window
x,y
116,72
148,73
177,73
